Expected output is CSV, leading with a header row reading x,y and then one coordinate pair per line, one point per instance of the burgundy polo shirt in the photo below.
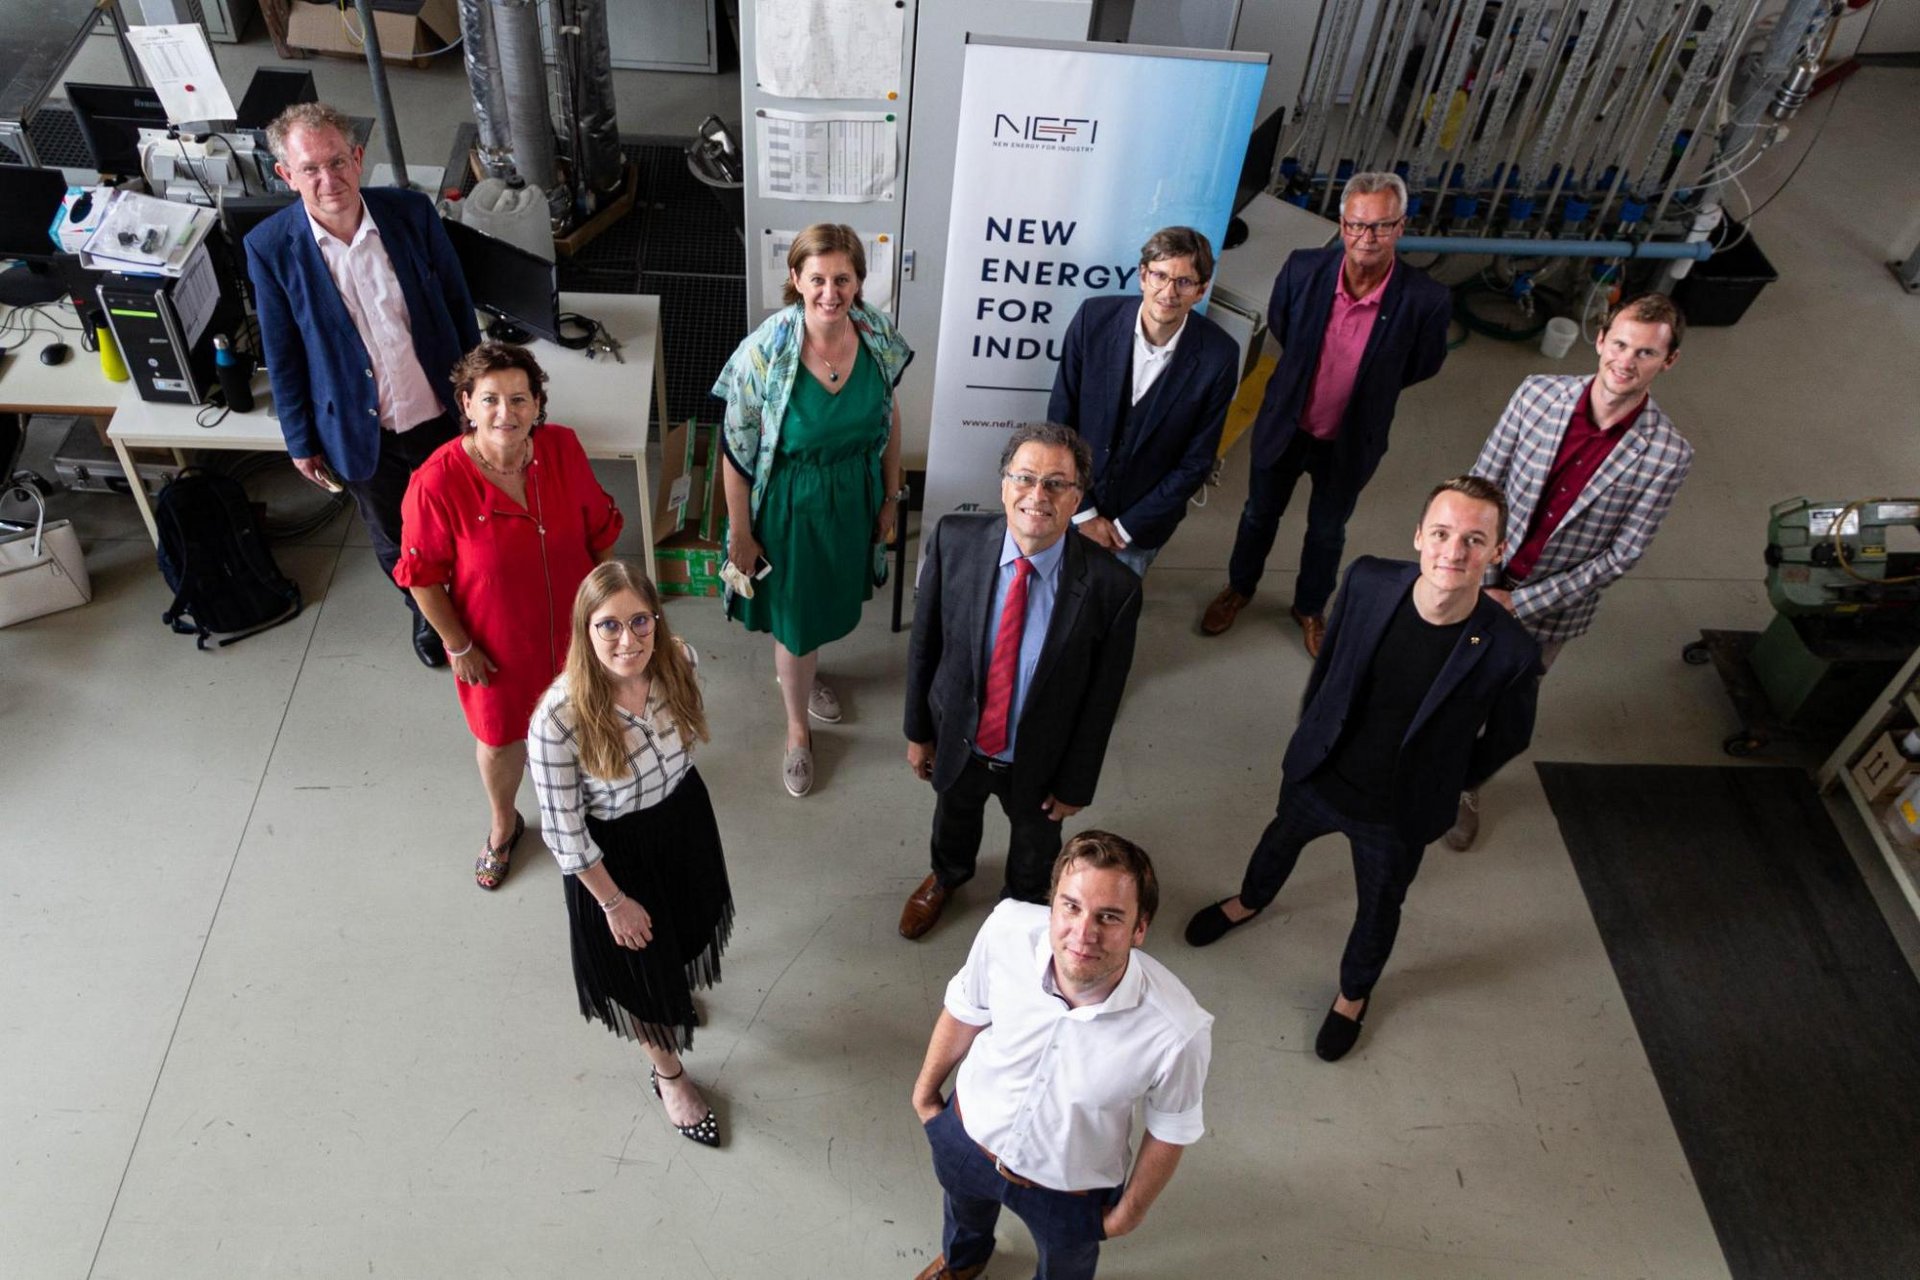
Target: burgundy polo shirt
x,y
1584,448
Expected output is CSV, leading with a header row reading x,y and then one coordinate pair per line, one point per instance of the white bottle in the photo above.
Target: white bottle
x,y
1902,819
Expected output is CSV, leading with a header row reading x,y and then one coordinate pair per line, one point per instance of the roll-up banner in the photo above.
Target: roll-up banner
x,y
1069,156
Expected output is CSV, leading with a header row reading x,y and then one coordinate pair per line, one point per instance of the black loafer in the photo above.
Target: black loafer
x,y
1339,1033
1210,924
426,643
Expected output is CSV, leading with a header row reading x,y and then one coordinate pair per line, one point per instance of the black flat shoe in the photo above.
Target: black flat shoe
x,y
1210,924
426,644
1339,1033
705,1130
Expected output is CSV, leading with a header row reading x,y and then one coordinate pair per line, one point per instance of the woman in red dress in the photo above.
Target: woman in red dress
x,y
499,528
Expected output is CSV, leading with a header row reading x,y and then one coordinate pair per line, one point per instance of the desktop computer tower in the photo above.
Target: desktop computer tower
x,y
165,326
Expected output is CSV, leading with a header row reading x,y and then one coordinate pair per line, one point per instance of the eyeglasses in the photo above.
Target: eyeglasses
x,y
1158,279
1054,485
1372,230
609,629
336,166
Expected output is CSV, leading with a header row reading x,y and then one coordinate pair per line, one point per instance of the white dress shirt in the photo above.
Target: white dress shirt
x,y
1050,1089
365,277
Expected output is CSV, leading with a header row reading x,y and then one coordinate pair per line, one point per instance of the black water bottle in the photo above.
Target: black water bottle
x,y
235,371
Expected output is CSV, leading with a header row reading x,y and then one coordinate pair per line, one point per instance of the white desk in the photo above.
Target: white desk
x,y
75,386
608,404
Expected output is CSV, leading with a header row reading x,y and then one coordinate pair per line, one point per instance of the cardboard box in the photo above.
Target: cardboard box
x,y
689,569
317,25
1883,771
675,505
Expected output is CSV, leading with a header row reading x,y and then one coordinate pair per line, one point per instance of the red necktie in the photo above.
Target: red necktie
x,y
991,739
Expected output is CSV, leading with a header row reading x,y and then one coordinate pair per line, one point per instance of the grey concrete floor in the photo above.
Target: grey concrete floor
x,y
256,1020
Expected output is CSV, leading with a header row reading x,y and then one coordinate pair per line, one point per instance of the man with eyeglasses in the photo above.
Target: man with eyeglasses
x,y
363,314
1022,637
1590,467
1147,386
1355,328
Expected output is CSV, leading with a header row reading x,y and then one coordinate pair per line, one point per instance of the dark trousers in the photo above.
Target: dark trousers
x,y
1067,1227
1269,489
1384,865
378,496
959,821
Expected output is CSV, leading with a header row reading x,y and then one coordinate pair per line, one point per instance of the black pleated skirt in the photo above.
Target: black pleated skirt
x,y
668,859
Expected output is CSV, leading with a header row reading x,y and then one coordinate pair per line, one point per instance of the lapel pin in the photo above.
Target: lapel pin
x,y
1473,639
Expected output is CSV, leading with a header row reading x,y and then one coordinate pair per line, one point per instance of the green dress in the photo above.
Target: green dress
x,y
815,525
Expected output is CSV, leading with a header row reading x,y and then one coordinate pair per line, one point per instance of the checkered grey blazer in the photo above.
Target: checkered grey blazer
x,y
1609,526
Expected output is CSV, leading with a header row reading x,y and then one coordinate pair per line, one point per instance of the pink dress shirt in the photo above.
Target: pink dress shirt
x,y
1345,341
364,275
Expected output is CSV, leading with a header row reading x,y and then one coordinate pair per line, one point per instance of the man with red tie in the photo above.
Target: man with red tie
x,y
1022,637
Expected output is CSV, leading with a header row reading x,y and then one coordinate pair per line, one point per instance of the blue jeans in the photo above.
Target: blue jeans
x,y
1384,865
1269,489
1067,1228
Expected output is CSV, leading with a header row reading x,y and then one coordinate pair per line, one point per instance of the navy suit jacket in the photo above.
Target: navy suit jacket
x,y
1174,433
1407,345
323,385
1477,716
1067,714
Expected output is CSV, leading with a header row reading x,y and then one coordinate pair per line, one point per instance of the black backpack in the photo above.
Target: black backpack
x,y
213,553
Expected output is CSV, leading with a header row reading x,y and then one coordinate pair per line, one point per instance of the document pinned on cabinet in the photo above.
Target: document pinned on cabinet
x,y
846,157
829,48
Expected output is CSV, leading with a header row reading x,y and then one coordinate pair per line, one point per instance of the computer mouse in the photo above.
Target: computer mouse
x,y
55,353
81,207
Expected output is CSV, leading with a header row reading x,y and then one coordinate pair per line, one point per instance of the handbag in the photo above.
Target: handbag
x,y
43,571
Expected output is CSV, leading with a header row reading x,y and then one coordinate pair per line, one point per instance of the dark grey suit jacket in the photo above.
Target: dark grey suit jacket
x,y
1477,716
1069,709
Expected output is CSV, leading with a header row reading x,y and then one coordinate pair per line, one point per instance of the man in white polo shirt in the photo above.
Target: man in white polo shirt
x,y
1059,1026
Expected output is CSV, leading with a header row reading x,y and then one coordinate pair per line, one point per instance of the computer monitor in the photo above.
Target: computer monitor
x,y
272,91
110,117
1257,171
241,214
30,199
517,288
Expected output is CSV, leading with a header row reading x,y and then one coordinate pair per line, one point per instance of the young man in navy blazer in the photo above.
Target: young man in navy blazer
x,y
1147,386
1356,328
363,314
1425,687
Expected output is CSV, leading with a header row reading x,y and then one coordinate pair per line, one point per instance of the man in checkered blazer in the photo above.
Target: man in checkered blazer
x,y
1590,467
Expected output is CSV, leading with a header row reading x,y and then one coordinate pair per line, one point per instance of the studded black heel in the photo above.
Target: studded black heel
x,y
705,1130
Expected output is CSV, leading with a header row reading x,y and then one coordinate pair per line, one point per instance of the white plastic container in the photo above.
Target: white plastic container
x,y
1558,338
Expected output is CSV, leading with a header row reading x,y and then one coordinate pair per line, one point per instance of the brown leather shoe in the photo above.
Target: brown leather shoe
x,y
922,911
939,1270
1221,611
1313,628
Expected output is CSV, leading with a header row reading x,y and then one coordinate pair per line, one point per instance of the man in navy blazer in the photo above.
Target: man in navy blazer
x,y
1356,328
1147,386
1065,649
363,314
1425,687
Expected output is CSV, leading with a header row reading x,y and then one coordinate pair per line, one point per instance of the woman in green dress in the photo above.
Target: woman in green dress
x,y
813,438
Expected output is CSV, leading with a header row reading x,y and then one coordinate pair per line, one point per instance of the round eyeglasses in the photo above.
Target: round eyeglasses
x,y
609,629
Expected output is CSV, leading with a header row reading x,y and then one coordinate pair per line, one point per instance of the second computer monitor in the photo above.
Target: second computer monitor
x,y
110,118
514,286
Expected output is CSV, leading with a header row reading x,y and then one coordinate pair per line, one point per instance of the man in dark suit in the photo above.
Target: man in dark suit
x,y
1425,687
1022,636
363,314
1355,329
1147,386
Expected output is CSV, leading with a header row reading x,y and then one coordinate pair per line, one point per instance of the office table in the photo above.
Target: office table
x,y
76,387
606,403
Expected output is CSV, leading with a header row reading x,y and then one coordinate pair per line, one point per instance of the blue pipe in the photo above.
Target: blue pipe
x,y
1698,250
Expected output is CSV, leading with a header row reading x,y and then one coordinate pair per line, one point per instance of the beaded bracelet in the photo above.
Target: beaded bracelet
x,y
617,898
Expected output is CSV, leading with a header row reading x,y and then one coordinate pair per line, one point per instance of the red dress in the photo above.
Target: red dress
x,y
512,571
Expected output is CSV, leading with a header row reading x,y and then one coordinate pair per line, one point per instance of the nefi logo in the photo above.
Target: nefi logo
x,y
1053,133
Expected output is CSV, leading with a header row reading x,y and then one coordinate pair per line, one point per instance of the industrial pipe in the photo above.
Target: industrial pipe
x,y
1513,247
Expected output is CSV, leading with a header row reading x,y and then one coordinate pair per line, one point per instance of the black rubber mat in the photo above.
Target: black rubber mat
x,y
56,141
702,319
1777,1011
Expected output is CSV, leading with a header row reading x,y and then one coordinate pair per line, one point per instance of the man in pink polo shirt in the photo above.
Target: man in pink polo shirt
x,y
1355,327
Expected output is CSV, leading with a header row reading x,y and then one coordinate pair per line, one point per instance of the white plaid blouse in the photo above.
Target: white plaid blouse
x,y
657,758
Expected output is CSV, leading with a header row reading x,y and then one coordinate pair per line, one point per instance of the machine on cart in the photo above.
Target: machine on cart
x,y
1844,581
